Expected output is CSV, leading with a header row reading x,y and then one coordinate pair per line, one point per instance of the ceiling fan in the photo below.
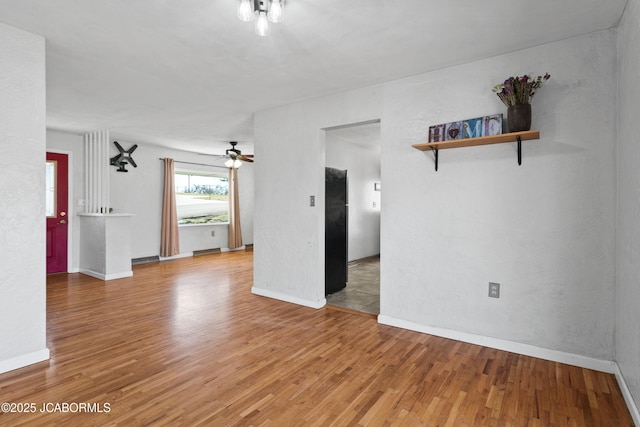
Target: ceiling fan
x,y
234,154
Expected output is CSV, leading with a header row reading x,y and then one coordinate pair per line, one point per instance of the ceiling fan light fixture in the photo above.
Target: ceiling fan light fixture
x,y
233,163
245,10
262,11
262,24
276,11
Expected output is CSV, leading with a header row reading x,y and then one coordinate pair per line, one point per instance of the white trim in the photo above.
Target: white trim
x,y
24,360
70,205
169,258
626,393
106,277
500,344
287,298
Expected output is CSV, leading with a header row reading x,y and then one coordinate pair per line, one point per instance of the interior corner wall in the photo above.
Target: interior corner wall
x,y
544,230
289,168
628,233
22,185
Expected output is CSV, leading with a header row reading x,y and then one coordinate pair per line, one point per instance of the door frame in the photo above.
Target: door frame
x,y
70,206
322,163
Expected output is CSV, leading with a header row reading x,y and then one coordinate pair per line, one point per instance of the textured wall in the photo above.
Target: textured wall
x,y
544,230
628,241
289,234
22,186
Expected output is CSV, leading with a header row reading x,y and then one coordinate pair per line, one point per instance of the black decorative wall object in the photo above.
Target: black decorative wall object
x,y
124,157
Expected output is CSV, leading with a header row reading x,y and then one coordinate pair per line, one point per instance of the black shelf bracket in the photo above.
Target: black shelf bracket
x,y
434,150
519,149
435,153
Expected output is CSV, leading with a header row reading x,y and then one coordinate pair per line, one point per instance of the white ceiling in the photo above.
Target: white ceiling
x,y
365,135
188,74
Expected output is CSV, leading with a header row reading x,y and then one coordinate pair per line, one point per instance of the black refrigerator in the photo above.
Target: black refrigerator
x,y
335,230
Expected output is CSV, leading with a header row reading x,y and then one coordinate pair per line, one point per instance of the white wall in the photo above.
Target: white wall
x,y
628,237
289,234
139,192
362,161
22,212
544,230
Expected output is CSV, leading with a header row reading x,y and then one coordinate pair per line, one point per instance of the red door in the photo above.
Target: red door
x,y
57,199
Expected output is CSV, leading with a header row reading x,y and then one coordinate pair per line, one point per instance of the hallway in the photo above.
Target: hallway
x,y
362,292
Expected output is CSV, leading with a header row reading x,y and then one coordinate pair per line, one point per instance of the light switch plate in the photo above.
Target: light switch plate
x,y
494,290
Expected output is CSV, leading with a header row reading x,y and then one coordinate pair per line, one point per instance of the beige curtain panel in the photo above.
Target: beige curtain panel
x,y
169,238
235,233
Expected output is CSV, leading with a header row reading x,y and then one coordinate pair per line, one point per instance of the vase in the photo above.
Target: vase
x,y
519,117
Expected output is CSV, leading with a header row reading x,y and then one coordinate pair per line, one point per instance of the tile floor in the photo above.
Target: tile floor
x,y
362,292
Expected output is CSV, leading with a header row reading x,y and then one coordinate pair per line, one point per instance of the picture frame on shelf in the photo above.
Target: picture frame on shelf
x,y
436,133
492,125
472,128
453,131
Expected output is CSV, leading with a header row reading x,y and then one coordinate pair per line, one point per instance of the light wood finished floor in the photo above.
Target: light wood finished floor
x,y
185,343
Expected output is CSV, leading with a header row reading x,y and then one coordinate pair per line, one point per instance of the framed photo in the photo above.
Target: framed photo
x,y
453,131
472,128
436,133
492,125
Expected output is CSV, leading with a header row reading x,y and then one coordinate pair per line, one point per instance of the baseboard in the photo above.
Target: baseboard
x,y
367,258
24,360
169,258
106,277
626,393
206,252
240,248
288,298
500,344
145,260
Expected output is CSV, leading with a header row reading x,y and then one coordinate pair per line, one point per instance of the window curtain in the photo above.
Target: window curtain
x,y
169,238
235,233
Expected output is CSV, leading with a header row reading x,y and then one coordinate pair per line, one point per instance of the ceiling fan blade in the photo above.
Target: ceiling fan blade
x,y
248,155
246,159
214,155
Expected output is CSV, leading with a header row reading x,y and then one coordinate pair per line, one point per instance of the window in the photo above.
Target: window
x,y
202,198
51,188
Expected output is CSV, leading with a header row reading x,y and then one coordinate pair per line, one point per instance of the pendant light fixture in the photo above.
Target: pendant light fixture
x,y
262,11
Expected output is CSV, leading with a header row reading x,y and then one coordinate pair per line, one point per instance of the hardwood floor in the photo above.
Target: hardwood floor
x,y
185,343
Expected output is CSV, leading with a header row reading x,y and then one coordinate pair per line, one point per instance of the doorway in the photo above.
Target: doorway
x,y
356,148
57,200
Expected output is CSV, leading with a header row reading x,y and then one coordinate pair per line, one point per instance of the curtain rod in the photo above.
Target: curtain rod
x,y
197,164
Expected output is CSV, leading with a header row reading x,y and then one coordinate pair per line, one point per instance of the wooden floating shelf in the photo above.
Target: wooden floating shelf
x,y
483,140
